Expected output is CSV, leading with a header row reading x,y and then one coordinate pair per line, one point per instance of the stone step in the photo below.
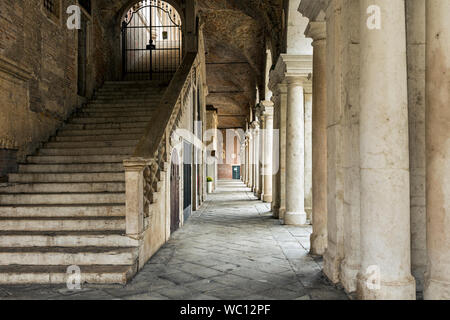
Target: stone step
x,y
77,159
60,168
104,210
135,83
67,177
64,187
66,239
45,274
93,127
128,95
86,151
54,256
103,120
116,112
62,224
109,137
91,144
62,198
67,132
125,102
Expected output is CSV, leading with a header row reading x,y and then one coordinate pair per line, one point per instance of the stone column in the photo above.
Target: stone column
x,y
246,160
282,161
437,280
317,31
255,157
308,151
415,31
276,171
250,159
261,157
295,153
384,156
268,150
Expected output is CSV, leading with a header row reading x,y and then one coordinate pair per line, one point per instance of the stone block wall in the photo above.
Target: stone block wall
x,y
38,71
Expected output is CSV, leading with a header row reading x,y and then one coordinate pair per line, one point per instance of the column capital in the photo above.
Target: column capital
x,y
316,30
291,68
267,108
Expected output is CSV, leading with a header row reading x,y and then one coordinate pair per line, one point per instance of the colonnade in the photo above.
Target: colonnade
x,y
368,220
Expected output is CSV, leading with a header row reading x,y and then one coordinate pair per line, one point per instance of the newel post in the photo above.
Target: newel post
x,y
134,187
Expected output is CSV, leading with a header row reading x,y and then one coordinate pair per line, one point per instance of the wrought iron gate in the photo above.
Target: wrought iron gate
x,y
151,41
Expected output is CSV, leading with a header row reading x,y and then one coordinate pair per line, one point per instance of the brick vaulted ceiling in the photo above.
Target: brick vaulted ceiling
x,y
234,32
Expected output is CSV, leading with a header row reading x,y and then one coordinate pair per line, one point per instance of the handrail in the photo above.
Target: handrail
x,y
149,144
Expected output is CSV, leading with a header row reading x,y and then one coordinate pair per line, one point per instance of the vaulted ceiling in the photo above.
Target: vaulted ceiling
x,y
235,33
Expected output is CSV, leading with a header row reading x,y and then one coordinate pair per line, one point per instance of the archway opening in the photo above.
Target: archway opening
x,y
152,41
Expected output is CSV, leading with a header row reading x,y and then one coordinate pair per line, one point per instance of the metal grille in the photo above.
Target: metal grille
x,y
86,4
49,5
151,41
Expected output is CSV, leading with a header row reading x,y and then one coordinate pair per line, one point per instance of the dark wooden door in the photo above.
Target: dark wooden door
x,y
174,194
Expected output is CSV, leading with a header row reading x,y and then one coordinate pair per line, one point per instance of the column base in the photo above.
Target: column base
x,y
267,198
276,212
318,244
282,213
436,290
331,265
403,289
295,218
349,274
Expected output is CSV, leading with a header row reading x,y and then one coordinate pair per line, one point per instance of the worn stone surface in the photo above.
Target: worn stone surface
x,y
216,257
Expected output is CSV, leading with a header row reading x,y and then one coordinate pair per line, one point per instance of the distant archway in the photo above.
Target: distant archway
x,y
152,41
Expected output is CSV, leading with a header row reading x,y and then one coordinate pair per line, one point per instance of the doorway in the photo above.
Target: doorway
x,y
187,181
236,172
151,41
174,193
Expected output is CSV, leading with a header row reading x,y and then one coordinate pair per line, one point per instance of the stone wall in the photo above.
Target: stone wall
x,y
38,71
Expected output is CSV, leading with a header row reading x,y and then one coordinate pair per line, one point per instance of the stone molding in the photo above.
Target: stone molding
x,y
13,69
289,68
316,30
313,8
267,108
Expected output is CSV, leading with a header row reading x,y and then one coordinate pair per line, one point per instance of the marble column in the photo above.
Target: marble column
x,y
255,157
246,160
295,153
268,150
317,31
261,157
437,278
249,158
308,151
276,171
385,205
283,89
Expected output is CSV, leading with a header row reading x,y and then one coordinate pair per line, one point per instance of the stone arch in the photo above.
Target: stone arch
x,y
151,40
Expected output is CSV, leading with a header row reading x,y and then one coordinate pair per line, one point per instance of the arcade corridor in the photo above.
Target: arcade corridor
x,y
231,249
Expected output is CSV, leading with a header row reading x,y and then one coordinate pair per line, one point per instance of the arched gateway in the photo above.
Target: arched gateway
x,y
151,41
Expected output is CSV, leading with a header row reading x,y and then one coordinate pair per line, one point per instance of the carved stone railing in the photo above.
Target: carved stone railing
x,y
145,170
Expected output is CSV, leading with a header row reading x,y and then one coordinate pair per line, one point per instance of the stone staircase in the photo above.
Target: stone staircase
x,y
66,204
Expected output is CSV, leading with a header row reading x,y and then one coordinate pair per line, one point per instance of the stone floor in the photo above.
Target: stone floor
x,y
230,249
